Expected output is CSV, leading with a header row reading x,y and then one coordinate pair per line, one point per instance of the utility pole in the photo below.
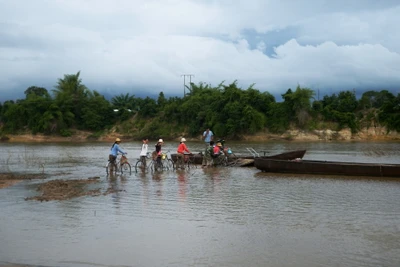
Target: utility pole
x,y
184,82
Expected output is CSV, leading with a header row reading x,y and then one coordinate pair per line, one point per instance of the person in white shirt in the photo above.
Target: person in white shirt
x,y
143,152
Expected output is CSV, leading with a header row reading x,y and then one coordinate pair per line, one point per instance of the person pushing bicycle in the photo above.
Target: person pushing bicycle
x,y
114,151
183,152
143,152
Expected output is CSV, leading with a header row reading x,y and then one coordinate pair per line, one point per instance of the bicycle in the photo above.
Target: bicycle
x,y
120,164
220,160
167,160
161,162
184,162
231,158
141,164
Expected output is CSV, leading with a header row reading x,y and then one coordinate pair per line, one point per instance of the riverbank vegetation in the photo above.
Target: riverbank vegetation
x,y
230,111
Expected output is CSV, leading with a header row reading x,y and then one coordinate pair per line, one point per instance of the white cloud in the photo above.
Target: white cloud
x,y
374,27
261,46
150,44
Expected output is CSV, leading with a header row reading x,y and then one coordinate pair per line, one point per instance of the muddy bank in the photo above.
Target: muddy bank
x,y
9,179
56,189
365,134
79,136
67,189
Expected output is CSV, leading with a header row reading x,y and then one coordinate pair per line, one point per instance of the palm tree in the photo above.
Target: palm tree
x,y
71,96
123,101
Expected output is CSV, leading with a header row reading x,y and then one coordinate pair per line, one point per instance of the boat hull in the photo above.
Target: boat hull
x,y
327,167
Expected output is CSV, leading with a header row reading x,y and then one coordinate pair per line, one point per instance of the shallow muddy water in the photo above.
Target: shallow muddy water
x,y
203,217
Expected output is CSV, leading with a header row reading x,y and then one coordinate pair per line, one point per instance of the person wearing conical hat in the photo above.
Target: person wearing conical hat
x,y
182,148
218,154
159,146
115,149
157,153
183,151
218,151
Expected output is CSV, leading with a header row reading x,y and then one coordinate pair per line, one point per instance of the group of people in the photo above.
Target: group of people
x,y
212,151
157,153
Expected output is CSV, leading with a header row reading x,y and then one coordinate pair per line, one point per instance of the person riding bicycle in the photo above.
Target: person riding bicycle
x,y
114,151
183,151
143,152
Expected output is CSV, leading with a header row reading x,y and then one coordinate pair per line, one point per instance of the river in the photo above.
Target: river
x,y
228,216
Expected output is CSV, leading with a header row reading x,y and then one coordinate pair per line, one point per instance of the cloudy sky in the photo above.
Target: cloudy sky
x,y
144,46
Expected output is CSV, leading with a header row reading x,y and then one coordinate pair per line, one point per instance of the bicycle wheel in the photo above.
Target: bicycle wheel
x,y
170,164
190,165
111,168
220,161
165,164
224,162
126,168
157,166
152,165
179,164
139,166
160,166
174,164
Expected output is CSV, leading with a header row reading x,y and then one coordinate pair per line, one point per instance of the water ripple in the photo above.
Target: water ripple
x,y
202,217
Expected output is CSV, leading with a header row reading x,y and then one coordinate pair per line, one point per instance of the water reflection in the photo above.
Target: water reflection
x,y
182,184
214,178
116,188
209,217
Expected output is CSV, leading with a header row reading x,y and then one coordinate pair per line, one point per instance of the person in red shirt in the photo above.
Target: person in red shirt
x,y
182,148
219,154
218,150
183,153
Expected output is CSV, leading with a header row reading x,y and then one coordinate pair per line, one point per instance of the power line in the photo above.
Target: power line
x,y
184,82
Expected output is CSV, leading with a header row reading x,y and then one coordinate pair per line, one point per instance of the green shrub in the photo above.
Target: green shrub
x,y
65,133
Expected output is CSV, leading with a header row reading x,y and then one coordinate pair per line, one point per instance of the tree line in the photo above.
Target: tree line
x,y
228,110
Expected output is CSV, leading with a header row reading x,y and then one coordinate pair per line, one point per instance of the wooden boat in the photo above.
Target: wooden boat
x,y
249,160
194,158
327,167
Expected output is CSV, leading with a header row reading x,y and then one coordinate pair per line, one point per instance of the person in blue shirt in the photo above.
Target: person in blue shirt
x,y
208,136
115,149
